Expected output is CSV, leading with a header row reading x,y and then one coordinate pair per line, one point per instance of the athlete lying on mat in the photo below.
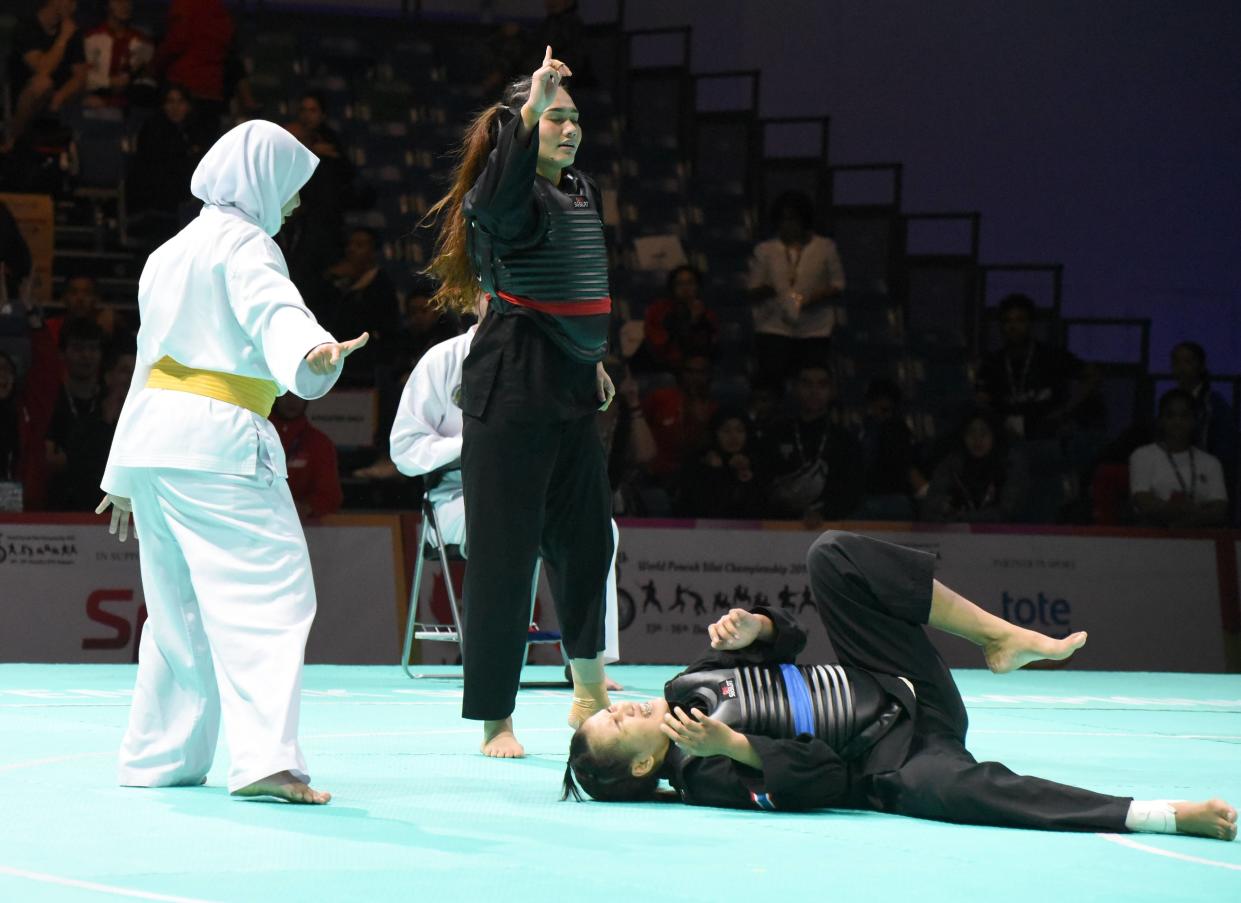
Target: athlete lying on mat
x,y
883,730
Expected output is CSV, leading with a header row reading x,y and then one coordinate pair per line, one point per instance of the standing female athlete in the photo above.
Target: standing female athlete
x,y
521,225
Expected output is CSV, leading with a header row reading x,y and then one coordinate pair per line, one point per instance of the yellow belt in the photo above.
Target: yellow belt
x,y
253,394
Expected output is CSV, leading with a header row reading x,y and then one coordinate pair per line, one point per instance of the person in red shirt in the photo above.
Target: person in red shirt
x,y
681,324
311,459
116,55
679,415
194,52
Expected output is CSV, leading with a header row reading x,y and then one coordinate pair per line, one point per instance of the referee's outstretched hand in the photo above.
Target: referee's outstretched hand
x,y
324,358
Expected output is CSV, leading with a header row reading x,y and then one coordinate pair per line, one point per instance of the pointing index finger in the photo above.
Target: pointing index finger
x,y
547,55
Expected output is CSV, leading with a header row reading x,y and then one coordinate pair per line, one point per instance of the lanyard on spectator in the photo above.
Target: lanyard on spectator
x,y
1019,391
801,452
793,257
1193,472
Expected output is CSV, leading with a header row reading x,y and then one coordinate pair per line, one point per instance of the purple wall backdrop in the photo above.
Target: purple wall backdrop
x,y
1103,135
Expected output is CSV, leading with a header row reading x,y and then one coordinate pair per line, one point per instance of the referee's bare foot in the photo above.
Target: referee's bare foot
x,y
1213,818
1017,647
499,741
284,786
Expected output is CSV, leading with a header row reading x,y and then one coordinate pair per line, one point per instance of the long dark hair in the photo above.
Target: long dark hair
x,y
604,776
458,283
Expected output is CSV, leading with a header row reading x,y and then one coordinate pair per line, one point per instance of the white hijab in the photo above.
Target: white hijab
x,y
257,168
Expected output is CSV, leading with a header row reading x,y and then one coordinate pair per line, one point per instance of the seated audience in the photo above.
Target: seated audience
x,y
312,235
814,465
1035,389
198,39
10,421
170,144
81,301
628,444
117,54
84,418
14,254
47,67
983,478
793,277
679,415
721,482
1172,483
354,296
681,323
892,478
310,458
1215,429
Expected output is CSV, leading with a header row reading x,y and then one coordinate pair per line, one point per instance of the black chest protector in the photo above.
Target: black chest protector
x,y
559,276
844,707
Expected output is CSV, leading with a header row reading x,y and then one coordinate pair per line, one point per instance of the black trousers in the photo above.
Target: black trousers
x,y
531,488
874,598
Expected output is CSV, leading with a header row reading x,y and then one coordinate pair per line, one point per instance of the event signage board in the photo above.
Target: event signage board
x,y
70,592
1149,604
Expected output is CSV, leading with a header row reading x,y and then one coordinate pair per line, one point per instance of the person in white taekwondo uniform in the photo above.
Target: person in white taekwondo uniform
x,y
225,572
426,437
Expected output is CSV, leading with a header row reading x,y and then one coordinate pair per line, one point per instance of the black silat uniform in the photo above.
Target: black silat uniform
x,y
874,598
532,463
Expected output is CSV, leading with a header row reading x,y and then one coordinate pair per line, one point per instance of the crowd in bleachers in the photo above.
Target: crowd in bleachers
x,y
755,379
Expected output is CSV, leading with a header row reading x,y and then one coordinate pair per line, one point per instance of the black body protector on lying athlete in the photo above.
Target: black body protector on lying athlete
x,y
844,707
556,274
818,730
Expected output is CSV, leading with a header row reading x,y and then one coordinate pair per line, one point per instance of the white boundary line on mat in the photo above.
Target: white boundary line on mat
x,y
51,760
1198,860
101,888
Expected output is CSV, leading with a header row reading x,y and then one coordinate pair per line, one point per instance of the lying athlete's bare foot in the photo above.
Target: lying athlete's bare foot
x,y
612,685
283,786
1018,647
1213,818
499,741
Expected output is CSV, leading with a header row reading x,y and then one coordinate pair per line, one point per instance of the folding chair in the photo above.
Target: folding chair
x,y
431,547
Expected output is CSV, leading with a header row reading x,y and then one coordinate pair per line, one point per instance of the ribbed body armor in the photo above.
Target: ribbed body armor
x,y
755,699
567,263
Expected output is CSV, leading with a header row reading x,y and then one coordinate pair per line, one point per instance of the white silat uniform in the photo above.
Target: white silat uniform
x,y
426,436
225,570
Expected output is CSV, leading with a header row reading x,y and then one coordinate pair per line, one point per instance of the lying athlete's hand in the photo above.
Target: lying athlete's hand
x,y
695,734
121,509
324,358
738,629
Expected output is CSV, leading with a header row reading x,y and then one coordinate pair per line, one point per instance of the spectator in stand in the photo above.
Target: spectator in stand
x,y
1215,430
721,482
982,479
356,292
1172,483
117,54
1037,390
170,145
893,479
681,323
47,67
197,42
815,466
314,481
81,301
680,415
312,235
627,442
80,432
422,326
793,277
762,408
